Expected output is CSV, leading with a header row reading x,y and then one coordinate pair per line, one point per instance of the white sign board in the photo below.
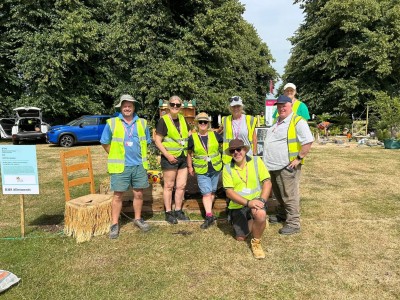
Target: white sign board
x,y
19,170
270,109
261,135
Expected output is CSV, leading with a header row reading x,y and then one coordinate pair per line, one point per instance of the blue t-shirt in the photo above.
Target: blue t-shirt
x,y
133,154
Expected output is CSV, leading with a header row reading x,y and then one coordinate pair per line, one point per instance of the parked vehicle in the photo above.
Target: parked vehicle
x,y
82,130
29,125
6,125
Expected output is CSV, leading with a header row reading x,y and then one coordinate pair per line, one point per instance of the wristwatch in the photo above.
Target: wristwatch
x,y
299,157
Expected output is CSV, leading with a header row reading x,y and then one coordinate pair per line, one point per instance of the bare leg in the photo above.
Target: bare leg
x,y
169,181
207,202
259,222
116,207
181,179
138,202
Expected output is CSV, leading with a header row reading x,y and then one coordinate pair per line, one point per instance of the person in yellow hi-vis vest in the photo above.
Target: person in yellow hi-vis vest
x,y
204,159
299,107
125,139
286,144
247,184
172,133
238,126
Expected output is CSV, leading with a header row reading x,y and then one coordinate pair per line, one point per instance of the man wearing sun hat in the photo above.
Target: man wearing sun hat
x,y
125,139
247,184
299,107
286,144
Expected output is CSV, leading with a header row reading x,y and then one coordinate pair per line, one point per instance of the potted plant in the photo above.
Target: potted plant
x,y
388,109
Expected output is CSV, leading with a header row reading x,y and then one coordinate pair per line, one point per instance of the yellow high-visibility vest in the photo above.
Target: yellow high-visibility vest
x,y
253,182
228,134
294,145
116,156
200,155
176,142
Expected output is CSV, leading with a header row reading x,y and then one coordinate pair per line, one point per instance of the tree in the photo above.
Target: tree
x,y
344,52
77,57
388,110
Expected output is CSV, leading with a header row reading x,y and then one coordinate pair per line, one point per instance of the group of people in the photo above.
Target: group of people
x,y
248,180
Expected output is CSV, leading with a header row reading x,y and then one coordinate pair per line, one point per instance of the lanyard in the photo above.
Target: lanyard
x,y
202,142
247,174
238,125
178,129
277,124
128,133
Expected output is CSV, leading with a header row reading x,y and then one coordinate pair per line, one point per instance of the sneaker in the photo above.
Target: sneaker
x,y
170,218
275,219
180,215
207,222
114,231
288,230
258,251
141,224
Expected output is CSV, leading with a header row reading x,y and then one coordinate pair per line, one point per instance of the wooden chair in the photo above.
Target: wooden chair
x,y
88,215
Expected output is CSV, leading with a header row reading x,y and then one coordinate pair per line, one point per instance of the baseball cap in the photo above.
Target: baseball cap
x,y
235,100
289,85
283,99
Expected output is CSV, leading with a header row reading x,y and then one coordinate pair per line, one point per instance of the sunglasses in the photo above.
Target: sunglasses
x,y
235,98
203,122
175,105
231,151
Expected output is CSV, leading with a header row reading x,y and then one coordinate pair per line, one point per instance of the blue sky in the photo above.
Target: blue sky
x,y
275,21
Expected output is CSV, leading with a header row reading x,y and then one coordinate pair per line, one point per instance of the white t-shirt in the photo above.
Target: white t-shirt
x,y
240,131
276,153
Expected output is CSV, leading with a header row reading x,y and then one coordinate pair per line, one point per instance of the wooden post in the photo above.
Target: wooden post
x,y
21,198
366,125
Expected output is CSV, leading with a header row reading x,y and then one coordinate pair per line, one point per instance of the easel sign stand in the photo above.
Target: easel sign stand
x,y
22,208
19,174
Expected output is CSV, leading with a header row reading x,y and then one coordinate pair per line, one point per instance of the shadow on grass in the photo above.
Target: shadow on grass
x,y
224,226
48,220
49,223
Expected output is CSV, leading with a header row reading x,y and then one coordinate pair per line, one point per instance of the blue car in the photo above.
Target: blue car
x,y
86,129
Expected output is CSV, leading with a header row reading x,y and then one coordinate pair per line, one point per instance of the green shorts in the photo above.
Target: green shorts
x,y
135,176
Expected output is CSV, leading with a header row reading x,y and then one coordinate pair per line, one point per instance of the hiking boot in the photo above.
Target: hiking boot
x,y
170,218
207,222
114,231
275,219
180,215
258,251
141,224
287,230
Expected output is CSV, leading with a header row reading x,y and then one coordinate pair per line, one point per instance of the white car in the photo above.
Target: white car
x,y
6,125
29,125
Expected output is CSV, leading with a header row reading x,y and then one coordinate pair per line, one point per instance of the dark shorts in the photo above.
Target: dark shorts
x,y
239,220
166,165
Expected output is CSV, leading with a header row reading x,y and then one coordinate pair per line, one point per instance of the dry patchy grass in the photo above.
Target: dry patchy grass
x,y
348,247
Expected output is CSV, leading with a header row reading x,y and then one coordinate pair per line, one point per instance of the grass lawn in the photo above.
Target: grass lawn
x,y
349,246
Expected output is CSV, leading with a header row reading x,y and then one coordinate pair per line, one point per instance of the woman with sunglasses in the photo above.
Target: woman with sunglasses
x,y
238,126
204,159
171,139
